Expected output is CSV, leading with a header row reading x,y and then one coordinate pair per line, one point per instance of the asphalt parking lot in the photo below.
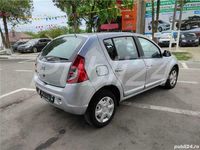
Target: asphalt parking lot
x,y
155,120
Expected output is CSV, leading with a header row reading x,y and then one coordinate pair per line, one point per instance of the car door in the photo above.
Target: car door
x,y
155,63
126,64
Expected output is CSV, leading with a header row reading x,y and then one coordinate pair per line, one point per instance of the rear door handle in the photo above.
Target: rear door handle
x,y
118,70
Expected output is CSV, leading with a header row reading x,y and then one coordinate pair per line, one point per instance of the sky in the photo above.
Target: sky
x,y
43,9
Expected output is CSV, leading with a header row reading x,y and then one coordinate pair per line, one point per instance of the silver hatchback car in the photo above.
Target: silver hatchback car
x,y
91,74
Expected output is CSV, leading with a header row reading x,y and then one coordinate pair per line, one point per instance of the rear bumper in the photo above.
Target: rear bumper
x,y
74,98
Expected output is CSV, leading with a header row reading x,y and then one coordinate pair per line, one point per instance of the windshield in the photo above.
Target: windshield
x,y
30,42
62,48
188,35
160,21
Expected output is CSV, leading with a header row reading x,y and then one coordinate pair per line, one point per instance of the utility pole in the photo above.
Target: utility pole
x,y
141,9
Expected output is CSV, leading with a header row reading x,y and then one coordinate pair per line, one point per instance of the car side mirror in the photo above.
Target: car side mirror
x,y
167,53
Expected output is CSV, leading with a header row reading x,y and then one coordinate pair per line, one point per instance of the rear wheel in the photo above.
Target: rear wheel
x,y
149,27
35,50
172,79
101,109
160,29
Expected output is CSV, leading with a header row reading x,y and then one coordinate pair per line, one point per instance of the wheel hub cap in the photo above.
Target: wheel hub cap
x,y
104,109
173,77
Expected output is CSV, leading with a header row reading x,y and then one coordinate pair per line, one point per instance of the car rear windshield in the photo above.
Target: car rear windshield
x,y
63,47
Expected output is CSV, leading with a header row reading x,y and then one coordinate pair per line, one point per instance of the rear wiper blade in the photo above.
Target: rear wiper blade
x,y
55,58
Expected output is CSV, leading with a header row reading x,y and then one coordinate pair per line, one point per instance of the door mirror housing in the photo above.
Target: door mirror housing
x,y
167,53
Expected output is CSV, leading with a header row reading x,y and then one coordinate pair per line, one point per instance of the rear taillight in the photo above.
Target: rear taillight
x,y
77,72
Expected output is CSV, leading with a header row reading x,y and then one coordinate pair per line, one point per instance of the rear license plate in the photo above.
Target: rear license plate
x,y
47,96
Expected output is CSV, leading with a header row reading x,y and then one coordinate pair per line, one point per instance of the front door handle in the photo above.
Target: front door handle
x,y
118,70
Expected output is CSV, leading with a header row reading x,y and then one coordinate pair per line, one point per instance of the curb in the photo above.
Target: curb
x,y
4,57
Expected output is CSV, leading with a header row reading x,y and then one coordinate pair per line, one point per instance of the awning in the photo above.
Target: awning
x,y
109,26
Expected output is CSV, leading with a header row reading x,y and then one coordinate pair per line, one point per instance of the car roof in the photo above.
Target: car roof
x,y
104,35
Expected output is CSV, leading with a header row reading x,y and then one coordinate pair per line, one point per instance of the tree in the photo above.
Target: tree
x,y
89,10
157,14
153,19
14,11
102,10
2,37
70,7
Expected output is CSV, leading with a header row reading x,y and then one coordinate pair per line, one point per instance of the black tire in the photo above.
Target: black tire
x,y
168,84
90,116
35,50
160,29
188,27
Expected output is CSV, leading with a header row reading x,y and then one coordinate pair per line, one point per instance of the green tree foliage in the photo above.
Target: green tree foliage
x,y
70,7
106,10
14,11
52,33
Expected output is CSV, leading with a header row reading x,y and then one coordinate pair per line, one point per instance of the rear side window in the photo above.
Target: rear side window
x,y
121,48
126,48
63,47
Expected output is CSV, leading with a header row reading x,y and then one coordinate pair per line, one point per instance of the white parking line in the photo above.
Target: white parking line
x,y
165,109
195,69
16,91
24,70
21,62
184,65
188,82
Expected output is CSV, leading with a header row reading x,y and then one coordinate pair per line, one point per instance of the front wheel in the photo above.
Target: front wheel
x,y
101,109
35,50
172,79
188,27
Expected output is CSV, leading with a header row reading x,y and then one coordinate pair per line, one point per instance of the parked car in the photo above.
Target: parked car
x,y
34,45
18,43
162,26
188,39
90,74
164,40
191,22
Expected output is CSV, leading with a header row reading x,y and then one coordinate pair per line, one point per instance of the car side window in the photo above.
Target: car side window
x,y
150,50
110,48
126,48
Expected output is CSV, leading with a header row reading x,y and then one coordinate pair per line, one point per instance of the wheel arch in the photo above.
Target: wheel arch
x,y
177,67
113,88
